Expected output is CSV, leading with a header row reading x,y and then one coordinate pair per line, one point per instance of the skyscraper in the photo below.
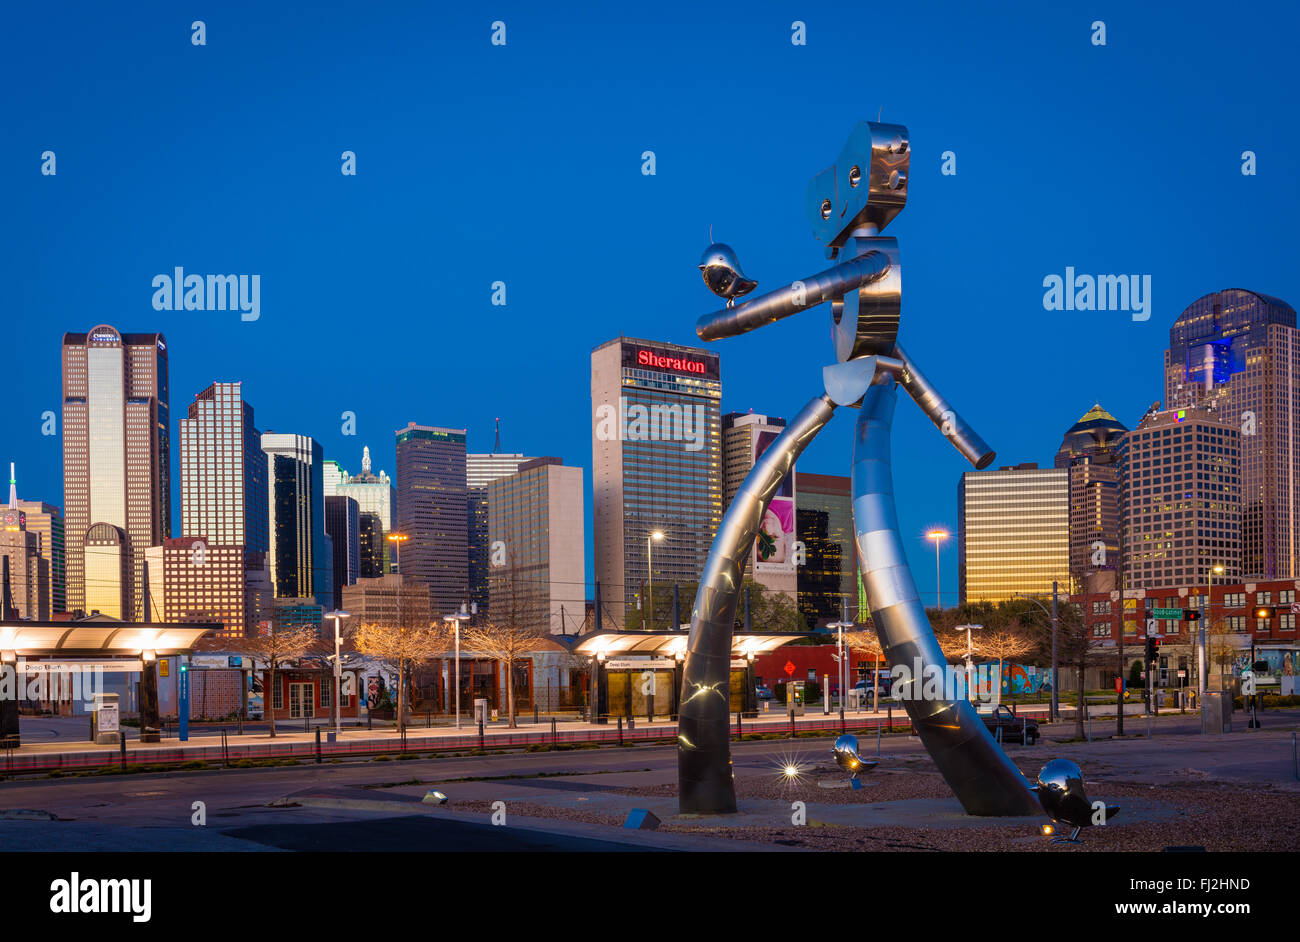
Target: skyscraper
x,y
343,524
480,471
656,466
431,511
116,465
224,494
374,494
26,573
1243,348
828,578
370,546
1013,532
1087,452
536,515
1181,485
300,553
46,521
745,436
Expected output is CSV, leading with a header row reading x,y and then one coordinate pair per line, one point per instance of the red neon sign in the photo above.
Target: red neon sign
x,y
661,362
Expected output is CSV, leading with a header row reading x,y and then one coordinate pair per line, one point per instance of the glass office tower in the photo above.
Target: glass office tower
x,y
431,511
300,552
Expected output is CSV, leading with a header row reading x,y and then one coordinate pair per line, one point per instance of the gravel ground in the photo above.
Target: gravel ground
x,y
1218,817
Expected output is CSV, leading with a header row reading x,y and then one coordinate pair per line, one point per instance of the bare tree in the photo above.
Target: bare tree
x,y
403,636
865,640
279,647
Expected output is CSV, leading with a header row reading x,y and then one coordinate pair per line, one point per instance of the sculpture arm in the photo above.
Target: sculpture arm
x,y
964,438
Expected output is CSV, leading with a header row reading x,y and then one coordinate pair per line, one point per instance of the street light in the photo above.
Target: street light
x,y
1056,705
455,621
397,539
338,614
1202,662
653,538
970,665
938,536
840,658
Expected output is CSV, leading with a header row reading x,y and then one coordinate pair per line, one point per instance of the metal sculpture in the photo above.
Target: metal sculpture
x,y
1060,792
848,205
847,758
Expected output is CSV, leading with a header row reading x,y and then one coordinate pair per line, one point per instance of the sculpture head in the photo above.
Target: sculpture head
x,y
867,184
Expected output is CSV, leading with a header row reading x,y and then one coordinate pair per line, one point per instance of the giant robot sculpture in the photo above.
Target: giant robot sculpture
x,y
849,204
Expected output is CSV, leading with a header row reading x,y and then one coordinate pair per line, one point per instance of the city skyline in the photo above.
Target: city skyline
x,y
406,255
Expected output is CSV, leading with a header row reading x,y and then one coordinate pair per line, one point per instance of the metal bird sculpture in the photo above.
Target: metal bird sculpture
x,y
1060,792
721,271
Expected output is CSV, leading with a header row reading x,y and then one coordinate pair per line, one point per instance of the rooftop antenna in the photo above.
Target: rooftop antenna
x,y
13,488
496,448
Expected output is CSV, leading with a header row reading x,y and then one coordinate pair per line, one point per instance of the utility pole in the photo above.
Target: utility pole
x,y
1056,703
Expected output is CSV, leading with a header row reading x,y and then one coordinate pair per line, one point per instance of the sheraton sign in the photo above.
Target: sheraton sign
x,y
670,362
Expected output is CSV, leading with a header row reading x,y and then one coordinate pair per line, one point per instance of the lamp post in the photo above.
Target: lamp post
x,y
970,650
455,621
397,539
938,535
1202,662
650,540
1056,704
840,658
338,614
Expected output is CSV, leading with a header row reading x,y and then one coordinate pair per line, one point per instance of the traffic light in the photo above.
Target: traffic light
x,y
1191,614
1153,649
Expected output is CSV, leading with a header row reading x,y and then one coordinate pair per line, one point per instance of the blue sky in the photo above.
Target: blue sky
x,y
479,163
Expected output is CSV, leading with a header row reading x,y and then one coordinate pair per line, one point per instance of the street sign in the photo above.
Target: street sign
x,y
1169,614
789,668
1295,608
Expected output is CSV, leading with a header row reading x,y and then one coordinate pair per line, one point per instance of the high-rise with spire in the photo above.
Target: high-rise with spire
x,y
24,572
1088,453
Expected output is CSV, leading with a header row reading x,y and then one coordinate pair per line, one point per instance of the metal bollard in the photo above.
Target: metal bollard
x,y
843,728
317,744
121,741
428,719
554,738
877,737
1295,759
370,720
534,714
740,732
481,741
620,730
792,724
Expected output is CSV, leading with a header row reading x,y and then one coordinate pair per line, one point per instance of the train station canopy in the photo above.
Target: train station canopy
x,y
89,638
673,643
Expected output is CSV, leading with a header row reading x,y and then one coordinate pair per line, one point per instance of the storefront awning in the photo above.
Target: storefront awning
x,y
672,643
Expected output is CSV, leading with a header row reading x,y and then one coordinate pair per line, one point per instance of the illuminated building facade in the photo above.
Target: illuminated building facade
x,y
828,578
1181,489
656,466
1013,532
116,465
224,493
1088,452
300,556
1241,351
374,494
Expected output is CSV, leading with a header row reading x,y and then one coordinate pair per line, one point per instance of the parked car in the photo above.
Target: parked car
x,y
864,690
764,693
1014,728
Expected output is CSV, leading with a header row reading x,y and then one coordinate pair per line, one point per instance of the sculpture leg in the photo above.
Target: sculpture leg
x,y
974,766
704,719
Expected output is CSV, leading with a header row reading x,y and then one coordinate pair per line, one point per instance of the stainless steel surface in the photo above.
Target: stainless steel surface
x,y
865,321
876,156
848,758
974,766
704,717
798,296
964,438
846,383
721,271
1061,794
